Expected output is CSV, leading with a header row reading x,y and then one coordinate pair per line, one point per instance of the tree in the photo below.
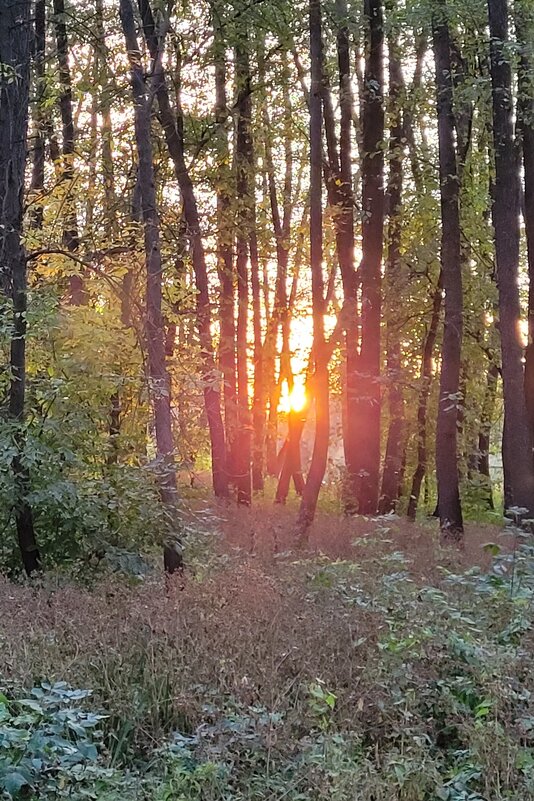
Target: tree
x,y
175,147
244,191
516,446
71,236
422,401
393,276
450,512
225,240
320,381
159,381
364,473
524,18
15,43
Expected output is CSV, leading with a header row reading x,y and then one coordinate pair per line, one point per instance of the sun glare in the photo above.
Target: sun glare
x,y
293,401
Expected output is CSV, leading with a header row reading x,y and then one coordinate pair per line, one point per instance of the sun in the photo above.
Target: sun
x,y
293,401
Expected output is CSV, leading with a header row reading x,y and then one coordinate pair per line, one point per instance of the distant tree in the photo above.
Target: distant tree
x,y
320,380
71,235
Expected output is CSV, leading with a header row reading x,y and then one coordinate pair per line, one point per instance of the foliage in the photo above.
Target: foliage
x,y
48,743
362,677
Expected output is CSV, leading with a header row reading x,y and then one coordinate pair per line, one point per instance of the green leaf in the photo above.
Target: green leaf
x,y
13,783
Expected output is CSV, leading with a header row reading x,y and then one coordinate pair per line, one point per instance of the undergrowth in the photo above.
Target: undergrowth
x,y
295,680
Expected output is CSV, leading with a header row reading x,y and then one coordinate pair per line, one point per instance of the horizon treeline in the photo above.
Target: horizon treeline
x,y
217,219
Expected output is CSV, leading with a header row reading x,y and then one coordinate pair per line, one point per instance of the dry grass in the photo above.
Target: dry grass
x,y
262,626
265,531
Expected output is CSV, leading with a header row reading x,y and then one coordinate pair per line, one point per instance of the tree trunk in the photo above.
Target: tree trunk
x,y
244,191
450,512
364,473
159,380
225,262
322,423
481,461
291,466
175,146
258,403
110,216
39,128
280,317
524,18
422,404
394,446
71,236
343,197
517,441
15,43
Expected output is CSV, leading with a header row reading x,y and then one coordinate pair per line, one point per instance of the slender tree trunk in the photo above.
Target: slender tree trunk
x,y
258,403
394,446
225,261
422,404
322,422
517,440
90,196
71,236
524,18
291,467
450,512
15,43
364,474
341,193
482,462
39,128
280,317
243,161
106,133
159,380
174,141
103,108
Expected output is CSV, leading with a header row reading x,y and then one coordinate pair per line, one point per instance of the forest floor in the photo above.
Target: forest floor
x,y
373,666
266,532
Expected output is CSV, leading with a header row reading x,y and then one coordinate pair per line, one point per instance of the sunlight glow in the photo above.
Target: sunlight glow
x,y
293,401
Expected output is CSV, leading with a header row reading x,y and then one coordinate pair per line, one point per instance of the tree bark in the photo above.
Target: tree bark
x,y
364,473
291,466
517,440
450,512
71,237
481,462
341,193
15,43
39,127
422,404
106,133
524,21
243,162
225,261
175,147
394,446
258,403
322,423
159,380
280,317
